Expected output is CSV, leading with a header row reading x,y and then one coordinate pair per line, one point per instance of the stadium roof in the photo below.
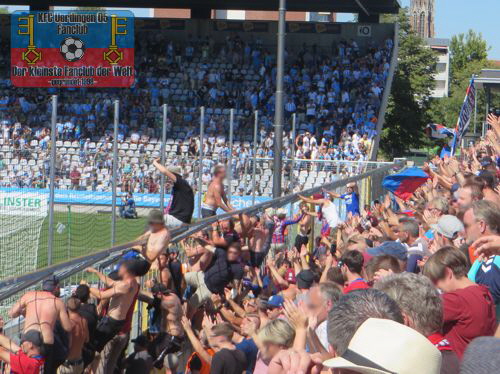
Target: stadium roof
x,y
338,6
489,79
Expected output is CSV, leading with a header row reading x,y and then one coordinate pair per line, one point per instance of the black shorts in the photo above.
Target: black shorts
x,y
162,345
47,351
257,258
300,241
107,329
205,213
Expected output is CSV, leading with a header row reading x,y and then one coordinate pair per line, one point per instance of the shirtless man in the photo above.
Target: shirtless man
x,y
215,196
158,238
41,310
121,295
172,333
304,231
79,335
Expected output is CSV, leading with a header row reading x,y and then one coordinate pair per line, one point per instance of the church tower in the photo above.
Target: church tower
x,y
422,17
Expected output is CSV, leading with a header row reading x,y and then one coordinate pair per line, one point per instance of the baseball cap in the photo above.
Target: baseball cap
x,y
448,226
275,301
175,169
141,340
50,284
155,216
391,248
405,351
454,187
305,279
485,161
32,336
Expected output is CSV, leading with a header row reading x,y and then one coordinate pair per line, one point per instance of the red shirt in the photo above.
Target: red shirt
x,y
356,284
468,313
130,313
22,364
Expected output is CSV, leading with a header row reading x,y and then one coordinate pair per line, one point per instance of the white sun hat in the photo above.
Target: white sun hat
x,y
382,346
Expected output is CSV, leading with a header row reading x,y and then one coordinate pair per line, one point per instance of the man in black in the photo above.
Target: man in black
x,y
89,312
182,203
224,268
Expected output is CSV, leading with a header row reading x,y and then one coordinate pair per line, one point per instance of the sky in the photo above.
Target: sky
x,y
452,17
458,16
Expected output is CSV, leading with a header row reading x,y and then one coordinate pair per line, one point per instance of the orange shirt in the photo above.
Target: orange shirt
x,y
205,366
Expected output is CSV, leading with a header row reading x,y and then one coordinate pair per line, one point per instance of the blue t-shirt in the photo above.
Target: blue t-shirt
x,y
351,202
250,349
488,273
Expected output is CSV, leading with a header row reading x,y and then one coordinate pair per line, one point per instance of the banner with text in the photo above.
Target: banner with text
x,y
18,202
70,48
97,198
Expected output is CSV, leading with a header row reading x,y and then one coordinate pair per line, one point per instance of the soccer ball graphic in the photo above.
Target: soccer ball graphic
x,y
72,49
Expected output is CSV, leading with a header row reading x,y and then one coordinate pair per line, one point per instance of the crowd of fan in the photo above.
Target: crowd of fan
x,y
87,165
400,286
335,95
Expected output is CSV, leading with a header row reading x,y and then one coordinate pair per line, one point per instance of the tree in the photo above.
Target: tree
x,y
407,111
468,56
467,48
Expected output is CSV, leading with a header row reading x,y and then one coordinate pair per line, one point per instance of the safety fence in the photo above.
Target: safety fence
x,y
61,198
73,271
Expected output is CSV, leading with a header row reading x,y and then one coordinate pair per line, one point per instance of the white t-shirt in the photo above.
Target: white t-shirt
x,y
331,215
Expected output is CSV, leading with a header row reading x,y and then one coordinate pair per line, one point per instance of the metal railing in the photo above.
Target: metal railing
x,y
13,285
70,273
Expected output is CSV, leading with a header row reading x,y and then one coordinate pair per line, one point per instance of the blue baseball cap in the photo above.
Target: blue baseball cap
x,y
275,301
391,248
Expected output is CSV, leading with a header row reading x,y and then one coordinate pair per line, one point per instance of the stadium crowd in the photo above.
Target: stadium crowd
x,y
400,286
335,95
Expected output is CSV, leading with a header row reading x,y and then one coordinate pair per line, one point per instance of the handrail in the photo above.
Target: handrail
x,y
13,285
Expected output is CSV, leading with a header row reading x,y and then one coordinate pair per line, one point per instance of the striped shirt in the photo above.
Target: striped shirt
x,y
280,226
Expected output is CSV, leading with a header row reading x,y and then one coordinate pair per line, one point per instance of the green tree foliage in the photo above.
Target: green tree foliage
x,y
467,48
407,111
468,55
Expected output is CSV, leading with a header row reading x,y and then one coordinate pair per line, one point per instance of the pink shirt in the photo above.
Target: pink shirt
x,y
260,366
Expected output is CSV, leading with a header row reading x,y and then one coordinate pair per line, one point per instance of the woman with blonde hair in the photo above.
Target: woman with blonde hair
x,y
276,335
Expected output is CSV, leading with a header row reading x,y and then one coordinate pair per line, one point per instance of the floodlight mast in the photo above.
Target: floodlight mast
x,y
278,117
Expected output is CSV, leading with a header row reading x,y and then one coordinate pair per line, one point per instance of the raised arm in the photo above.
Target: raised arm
x,y
195,342
162,169
66,323
312,201
103,278
19,308
119,288
332,194
9,345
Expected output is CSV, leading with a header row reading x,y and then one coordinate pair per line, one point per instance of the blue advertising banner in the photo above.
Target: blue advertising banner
x,y
105,198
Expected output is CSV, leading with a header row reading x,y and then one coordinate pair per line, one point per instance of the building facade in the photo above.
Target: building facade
x,y
249,15
422,17
442,77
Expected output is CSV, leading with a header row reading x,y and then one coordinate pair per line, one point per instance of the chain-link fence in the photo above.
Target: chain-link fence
x,y
82,195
